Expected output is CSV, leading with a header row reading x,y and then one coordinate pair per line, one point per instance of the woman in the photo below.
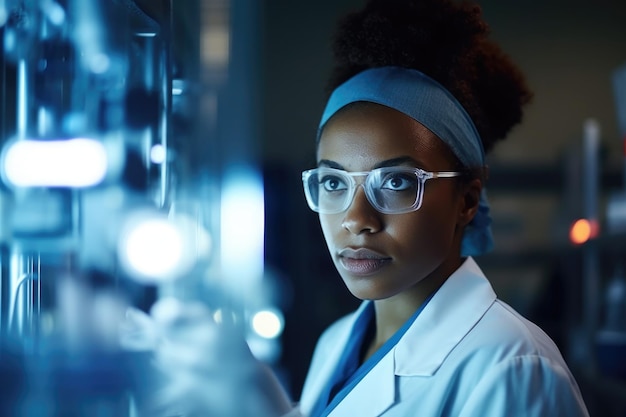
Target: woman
x,y
419,94
399,189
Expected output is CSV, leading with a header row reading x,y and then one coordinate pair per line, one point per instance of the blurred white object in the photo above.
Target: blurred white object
x,y
74,163
242,228
4,15
138,332
615,303
88,319
209,367
616,212
158,154
268,323
153,247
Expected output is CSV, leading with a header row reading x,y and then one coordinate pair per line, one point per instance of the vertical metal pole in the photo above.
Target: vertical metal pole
x,y
242,219
619,91
211,136
16,307
165,72
22,98
24,293
36,323
3,83
591,277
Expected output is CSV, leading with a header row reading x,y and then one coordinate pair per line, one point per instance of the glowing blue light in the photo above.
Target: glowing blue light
x,y
268,323
99,63
157,154
62,163
155,248
242,227
3,13
53,11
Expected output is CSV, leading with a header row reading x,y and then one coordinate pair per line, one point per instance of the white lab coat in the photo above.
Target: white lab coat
x,y
467,354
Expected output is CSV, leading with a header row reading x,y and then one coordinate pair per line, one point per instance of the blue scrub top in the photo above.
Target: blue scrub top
x,y
349,372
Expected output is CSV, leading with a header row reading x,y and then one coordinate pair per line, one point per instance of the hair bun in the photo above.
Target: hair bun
x,y
449,41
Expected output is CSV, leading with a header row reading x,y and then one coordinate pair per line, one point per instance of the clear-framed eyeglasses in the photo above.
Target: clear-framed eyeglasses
x,y
390,190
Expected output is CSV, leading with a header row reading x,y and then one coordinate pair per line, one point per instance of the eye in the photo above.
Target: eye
x,y
398,182
333,183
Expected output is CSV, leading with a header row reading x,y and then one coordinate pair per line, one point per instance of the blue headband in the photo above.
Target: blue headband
x,y
428,102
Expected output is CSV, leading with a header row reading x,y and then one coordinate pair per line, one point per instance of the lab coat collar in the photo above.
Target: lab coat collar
x,y
452,312
454,309
373,395
332,356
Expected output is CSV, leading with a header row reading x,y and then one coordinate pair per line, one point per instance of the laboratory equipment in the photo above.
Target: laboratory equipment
x,y
128,174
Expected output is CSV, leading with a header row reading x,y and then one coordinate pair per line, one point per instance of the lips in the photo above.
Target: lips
x,y
362,261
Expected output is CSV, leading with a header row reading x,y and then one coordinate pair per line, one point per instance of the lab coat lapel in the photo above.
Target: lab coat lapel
x,y
448,317
373,395
325,373
454,309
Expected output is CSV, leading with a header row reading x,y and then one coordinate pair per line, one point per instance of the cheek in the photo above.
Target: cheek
x,y
330,224
427,235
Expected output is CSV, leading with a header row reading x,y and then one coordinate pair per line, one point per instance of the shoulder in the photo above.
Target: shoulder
x,y
519,385
507,365
501,335
503,327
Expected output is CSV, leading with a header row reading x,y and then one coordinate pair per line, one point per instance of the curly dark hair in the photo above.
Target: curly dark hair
x,y
445,40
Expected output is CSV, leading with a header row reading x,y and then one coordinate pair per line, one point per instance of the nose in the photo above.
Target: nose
x,y
361,216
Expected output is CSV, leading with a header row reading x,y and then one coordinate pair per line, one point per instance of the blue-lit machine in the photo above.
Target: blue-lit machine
x,y
128,174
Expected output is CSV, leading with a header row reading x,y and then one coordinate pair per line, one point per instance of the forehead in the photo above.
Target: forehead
x,y
362,135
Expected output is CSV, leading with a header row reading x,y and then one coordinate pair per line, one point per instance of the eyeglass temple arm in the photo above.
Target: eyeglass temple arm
x,y
482,172
446,174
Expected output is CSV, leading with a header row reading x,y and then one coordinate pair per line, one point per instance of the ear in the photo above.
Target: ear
x,y
469,201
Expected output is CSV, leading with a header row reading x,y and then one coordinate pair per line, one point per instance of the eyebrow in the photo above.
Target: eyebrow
x,y
401,160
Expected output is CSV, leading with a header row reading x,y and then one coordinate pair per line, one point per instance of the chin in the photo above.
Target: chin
x,y
367,291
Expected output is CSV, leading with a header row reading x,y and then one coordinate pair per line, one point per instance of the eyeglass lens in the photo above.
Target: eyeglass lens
x,y
389,190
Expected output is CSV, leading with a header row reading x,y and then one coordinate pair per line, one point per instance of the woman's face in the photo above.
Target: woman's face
x,y
383,255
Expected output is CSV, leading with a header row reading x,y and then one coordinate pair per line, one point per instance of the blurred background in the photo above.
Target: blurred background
x,y
210,108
